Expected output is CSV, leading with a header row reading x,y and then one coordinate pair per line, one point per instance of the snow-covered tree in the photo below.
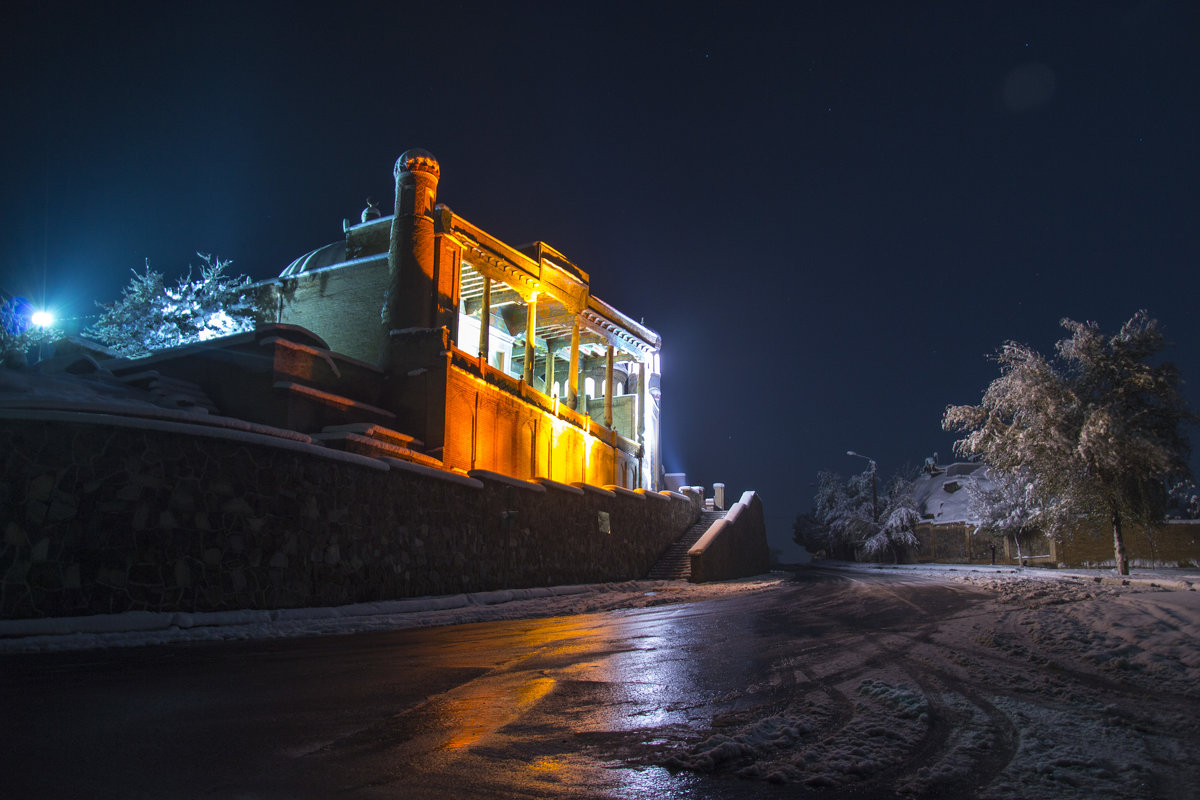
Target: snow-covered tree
x,y
811,534
855,522
1183,499
898,520
18,333
846,510
1097,428
152,315
1003,505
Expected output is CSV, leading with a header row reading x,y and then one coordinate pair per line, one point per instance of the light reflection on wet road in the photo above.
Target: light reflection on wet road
x,y
584,706
576,706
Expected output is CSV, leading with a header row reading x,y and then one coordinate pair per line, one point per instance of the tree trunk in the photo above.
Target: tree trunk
x,y
1119,545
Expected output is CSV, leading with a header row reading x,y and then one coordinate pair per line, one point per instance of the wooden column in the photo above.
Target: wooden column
x,y
485,318
549,368
573,374
582,405
530,332
641,404
608,386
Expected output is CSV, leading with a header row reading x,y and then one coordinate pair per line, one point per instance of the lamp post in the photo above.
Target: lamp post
x,y
874,492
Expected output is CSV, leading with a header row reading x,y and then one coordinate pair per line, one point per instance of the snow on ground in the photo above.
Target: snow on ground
x,y
138,628
1064,685
1005,683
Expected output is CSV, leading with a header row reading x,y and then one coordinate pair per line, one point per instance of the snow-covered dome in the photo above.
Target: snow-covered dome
x,y
326,256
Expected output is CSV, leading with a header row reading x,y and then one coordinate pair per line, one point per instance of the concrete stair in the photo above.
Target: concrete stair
x,y
674,564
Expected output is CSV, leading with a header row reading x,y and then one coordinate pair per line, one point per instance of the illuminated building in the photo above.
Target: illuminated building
x,y
493,357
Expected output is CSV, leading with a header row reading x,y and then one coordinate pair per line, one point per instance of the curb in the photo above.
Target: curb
x,y
144,621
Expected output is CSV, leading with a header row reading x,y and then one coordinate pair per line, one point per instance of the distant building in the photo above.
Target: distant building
x,y
947,527
940,495
493,357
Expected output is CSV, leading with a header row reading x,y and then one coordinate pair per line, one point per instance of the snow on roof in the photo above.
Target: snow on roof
x,y
98,398
942,497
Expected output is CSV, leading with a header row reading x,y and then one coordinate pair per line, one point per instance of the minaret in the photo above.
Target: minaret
x,y
417,313
410,302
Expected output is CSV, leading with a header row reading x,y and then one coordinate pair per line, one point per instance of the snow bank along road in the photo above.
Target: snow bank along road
x,y
837,684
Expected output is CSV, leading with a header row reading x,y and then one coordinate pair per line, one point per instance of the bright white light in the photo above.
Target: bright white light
x,y
43,319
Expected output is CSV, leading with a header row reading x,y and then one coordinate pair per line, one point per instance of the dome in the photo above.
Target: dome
x,y
326,256
371,211
417,160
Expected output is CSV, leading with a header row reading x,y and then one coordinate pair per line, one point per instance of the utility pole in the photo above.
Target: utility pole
x,y
874,490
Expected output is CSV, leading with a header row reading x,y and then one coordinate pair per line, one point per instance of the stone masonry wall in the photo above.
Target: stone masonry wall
x,y
100,519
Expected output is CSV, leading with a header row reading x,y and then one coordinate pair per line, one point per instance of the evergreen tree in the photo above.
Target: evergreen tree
x,y
1097,429
897,522
153,316
811,534
18,334
854,523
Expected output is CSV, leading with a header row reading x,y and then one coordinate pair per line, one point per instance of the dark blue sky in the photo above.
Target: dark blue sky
x,y
832,212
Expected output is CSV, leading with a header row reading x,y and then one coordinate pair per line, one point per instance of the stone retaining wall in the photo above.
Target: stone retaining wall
x,y
101,518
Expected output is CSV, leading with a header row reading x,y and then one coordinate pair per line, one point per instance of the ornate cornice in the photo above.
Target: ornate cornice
x,y
614,333
511,274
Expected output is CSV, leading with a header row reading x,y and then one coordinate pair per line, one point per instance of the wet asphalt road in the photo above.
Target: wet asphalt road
x,y
582,706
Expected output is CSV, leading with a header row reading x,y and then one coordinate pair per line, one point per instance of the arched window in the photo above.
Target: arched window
x,y
589,387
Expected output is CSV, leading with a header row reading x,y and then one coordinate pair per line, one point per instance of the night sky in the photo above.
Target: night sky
x,y
832,212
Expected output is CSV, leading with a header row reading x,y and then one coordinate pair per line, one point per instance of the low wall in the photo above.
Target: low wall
x,y
735,546
950,543
1175,543
107,514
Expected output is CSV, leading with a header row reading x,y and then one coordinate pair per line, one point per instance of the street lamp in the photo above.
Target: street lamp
x,y
874,492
